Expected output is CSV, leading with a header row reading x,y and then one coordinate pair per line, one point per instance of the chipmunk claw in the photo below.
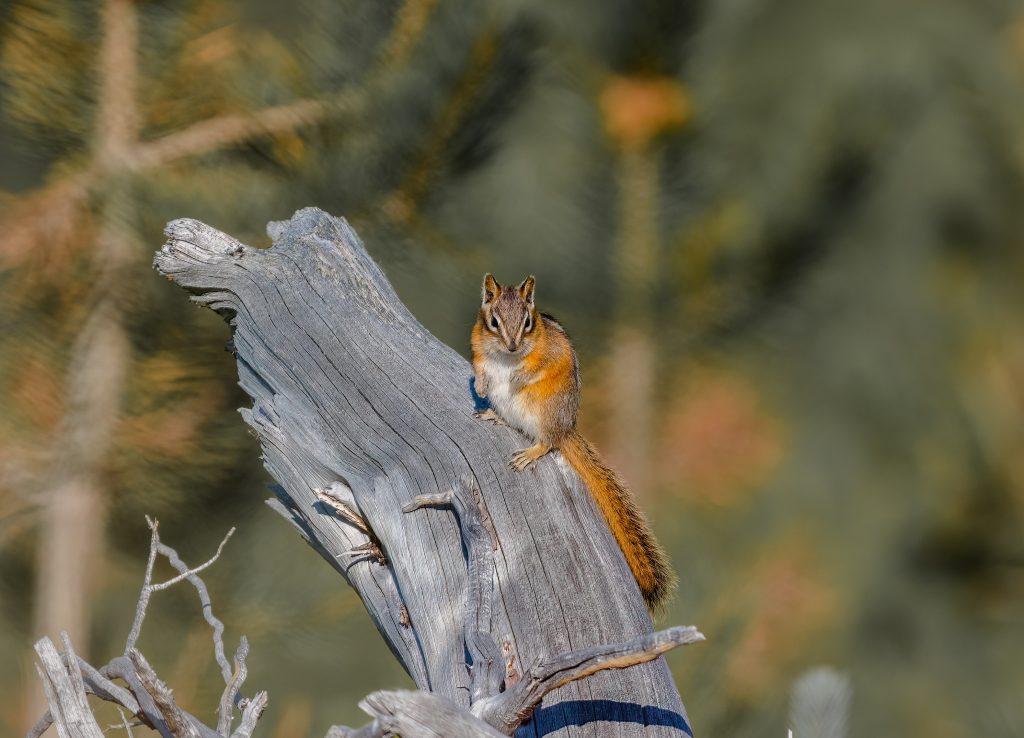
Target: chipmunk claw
x,y
524,457
520,460
489,415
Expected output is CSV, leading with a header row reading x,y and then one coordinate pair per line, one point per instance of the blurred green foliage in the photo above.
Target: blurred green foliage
x,y
801,218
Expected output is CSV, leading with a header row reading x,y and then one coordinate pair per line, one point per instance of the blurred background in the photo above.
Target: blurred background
x,y
784,234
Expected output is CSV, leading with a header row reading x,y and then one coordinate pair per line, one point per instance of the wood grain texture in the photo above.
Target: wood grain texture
x,y
417,715
350,393
65,691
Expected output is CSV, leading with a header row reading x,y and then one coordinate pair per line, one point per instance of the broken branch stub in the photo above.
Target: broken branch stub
x,y
351,394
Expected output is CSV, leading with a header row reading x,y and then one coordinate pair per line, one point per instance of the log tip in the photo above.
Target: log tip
x,y
191,241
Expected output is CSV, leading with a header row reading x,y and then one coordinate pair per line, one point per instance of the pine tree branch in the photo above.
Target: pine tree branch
x,y
410,22
225,131
117,117
233,130
404,202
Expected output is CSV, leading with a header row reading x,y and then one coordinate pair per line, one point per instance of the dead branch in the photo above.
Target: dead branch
x,y
509,709
65,691
230,696
148,588
173,716
204,599
146,697
251,712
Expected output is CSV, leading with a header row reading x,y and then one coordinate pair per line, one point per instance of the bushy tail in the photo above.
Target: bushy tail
x,y
646,558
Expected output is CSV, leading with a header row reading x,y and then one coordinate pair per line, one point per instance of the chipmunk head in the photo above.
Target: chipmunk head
x,y
509,315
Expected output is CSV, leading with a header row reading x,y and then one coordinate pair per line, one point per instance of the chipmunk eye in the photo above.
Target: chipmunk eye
x,y
494,323
529,323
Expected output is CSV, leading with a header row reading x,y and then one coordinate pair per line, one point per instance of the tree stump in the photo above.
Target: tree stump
x,y
360,411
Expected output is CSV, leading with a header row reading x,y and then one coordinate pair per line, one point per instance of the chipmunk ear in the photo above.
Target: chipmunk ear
x,y
490,290
526,290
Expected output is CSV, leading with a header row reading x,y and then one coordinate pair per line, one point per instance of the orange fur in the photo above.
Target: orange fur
x,y
534,387
645,556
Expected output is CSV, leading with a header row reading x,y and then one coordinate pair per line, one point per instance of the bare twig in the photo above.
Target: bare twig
x,y
41,725
105,689
372,549
204,599
147,697
96,684
148,588
124,723
144,595
509,709
189,573
230,695
420,501
333,500
373,729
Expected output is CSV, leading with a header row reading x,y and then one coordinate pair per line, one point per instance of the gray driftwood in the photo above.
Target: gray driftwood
x,y
65,691
359,411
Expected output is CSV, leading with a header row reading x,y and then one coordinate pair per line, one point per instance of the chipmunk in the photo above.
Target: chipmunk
x,y
526,368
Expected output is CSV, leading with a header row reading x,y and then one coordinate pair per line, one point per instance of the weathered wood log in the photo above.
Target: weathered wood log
x,y
354,398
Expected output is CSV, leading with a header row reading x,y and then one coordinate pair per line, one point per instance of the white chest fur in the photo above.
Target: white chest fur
x,y
503,387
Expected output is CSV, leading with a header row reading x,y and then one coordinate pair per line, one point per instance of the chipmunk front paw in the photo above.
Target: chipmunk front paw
x,y
524,457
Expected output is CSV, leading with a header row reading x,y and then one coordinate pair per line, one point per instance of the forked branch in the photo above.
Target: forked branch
x,y
509,709
148,588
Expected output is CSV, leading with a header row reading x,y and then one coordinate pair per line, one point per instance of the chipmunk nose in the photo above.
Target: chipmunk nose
x,y
512,346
